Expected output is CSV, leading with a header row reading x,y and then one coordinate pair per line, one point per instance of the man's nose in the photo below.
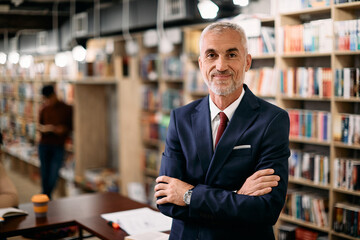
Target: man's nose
x,y
221,64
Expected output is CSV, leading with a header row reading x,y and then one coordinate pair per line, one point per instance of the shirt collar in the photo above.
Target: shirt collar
x,y
229,111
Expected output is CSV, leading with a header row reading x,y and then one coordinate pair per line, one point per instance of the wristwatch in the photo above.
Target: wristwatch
x,y
187,197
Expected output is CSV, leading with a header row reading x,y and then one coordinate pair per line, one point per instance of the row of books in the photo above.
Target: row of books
x,y
347,128
152,67
309,165
314,36
344,1
315,125
347,218
195,82
170,99
308,206
293,232
347,35
262,81
25,109
295,5
347,173
306,82
151,159
263,44
347,82
154,126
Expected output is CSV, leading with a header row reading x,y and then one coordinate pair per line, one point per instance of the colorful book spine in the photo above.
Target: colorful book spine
x,y
346,219
310,166
306,82
310,124
308,206
314,36
347,128
347,83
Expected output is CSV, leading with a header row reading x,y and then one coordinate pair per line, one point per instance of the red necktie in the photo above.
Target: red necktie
x,y
222,126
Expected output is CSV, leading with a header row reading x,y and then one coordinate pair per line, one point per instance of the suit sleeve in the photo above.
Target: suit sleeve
x,y
217,204
173,165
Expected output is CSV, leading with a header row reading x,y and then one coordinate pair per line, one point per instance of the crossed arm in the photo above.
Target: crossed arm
x,y
172,190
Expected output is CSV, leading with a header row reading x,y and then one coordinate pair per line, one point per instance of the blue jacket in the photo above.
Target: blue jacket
x,y
216,211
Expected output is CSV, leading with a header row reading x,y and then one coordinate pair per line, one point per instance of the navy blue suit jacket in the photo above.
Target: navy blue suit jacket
x,y
216,211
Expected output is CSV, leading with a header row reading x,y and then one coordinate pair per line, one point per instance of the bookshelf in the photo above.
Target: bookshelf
x,y
342,62
21,101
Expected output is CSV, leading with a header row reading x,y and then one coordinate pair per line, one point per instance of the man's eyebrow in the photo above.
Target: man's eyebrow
x,y
232,50
210,50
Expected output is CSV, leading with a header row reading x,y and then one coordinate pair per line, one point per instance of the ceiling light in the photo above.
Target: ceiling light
x,y
242,3
207,9
165,46
61,59
2,58
79,53
131,47
26,61
14,57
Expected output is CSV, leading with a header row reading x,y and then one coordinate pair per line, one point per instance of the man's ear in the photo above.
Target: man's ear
x,y
200,62
248,62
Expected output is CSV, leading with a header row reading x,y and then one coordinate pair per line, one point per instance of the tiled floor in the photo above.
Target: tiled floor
x,y
26,188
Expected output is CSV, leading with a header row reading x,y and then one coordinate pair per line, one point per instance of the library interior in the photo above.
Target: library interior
x,y
123,66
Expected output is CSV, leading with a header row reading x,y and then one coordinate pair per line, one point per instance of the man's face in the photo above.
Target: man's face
x,y
223,62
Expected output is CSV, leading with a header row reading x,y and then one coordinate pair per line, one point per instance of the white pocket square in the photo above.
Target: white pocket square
x,y
242,146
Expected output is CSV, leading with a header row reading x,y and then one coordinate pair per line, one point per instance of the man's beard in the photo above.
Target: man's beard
x,y
223,91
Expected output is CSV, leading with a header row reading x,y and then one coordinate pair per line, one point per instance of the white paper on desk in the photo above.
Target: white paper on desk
x,y
140,220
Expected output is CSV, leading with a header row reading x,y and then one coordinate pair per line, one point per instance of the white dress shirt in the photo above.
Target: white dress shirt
x,y
214,114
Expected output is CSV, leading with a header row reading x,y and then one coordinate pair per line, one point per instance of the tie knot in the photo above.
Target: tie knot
x,y
223,117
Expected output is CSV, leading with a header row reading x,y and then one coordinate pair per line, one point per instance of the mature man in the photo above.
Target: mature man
x,y
231,186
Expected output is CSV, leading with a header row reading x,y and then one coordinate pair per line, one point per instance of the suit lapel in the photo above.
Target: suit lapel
x,y
201,127
244,116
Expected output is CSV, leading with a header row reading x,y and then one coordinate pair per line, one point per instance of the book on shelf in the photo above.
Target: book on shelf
x,y
306,82
347,128
171,98
151,159
259,80
314,36
150,98
296,5
150,67
310,124
346,218
347,173
286,232
346,35
307,205
309,165
347,82
173,68
263,43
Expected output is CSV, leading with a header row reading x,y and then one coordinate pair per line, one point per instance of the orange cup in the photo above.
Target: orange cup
x,y
40,202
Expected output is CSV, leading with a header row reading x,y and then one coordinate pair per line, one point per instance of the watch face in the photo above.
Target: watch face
x,y
187,197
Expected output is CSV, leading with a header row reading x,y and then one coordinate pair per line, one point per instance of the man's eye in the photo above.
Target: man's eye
x,y
211,55
232,55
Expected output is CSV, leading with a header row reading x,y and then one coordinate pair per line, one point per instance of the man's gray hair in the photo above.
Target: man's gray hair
x,y
220,27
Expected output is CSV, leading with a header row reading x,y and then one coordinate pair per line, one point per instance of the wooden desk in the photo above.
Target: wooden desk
x,y
83,210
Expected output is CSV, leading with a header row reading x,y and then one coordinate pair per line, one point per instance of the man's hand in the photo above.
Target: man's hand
x,y
171,189
260,183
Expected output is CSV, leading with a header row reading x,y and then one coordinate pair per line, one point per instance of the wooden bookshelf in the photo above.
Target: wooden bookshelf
x,y
336,59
